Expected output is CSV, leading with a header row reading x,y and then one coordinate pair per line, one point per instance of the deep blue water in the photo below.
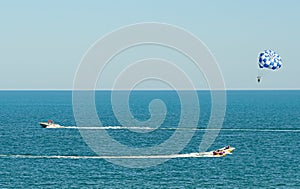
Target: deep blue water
x,y
263,126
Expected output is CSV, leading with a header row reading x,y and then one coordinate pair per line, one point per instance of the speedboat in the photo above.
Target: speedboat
x,y
50,124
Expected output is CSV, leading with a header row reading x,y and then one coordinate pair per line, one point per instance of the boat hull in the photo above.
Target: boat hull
x,y
227,150
50,125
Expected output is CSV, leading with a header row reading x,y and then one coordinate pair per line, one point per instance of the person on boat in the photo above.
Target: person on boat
x,y
258,78
50,121
218,152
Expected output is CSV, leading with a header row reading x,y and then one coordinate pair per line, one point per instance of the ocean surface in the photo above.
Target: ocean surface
x,y
263,126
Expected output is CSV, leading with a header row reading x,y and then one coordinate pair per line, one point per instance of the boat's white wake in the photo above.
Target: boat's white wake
x,y
108,127
198,129
191,155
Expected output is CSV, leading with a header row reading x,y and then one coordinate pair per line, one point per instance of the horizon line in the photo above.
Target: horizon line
x,y
228,89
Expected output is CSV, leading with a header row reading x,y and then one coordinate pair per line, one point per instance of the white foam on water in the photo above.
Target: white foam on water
x,y
200,129
190,155
107,127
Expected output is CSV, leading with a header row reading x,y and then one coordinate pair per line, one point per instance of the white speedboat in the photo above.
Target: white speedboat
x,y
50,124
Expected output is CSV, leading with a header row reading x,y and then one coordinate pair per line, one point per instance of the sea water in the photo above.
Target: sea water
x,y
263,126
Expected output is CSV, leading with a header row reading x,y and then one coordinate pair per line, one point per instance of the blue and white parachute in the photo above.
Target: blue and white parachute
x,y
269,59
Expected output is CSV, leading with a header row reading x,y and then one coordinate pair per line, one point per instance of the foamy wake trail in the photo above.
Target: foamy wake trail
x,y
107,127
174,128
191,155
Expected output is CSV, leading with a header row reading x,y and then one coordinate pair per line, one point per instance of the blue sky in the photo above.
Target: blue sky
x,y
42,42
